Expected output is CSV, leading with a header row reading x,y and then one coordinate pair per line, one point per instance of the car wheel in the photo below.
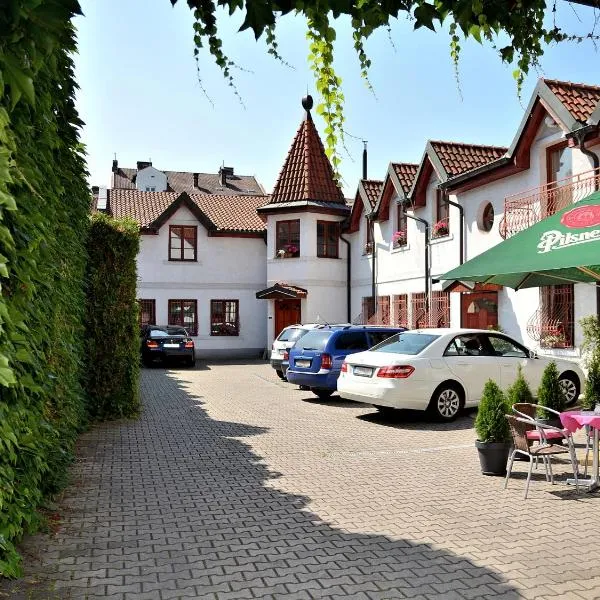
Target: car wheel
x,y
569,384
447,402
323,394
280,375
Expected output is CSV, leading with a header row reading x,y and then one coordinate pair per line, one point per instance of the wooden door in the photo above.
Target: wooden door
x,y
287,312
479,310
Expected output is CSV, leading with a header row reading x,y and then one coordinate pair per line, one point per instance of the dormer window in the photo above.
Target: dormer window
x,y
183,241
369,238
150,189
441,225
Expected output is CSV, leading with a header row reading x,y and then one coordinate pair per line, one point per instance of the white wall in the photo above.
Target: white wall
x,y
151,178
323,278
228,268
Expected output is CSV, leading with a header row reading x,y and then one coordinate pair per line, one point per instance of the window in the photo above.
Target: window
x,y
185,314
420,316
406,343
400,304
379,336
504,347
383,310
400,237
288,238
559,166
440,309
328,233
147,312
441,227
182,242
369,242
224,317
150,188
466,345
557,316
352,340
368,309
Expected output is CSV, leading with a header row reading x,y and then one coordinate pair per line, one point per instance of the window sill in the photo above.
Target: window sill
x,y
330,257
441,239
398,249
180,262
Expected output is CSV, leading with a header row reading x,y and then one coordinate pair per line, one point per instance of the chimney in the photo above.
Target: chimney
x,y
364,159
195,180
115,166
142,164
225,172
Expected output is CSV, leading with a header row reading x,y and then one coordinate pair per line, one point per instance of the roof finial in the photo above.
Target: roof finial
x,y
307,103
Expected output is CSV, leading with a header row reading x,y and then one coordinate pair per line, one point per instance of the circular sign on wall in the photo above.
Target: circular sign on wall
x,y
582,216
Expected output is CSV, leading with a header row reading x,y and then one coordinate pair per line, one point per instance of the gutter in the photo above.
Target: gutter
x,y
348,279
579,135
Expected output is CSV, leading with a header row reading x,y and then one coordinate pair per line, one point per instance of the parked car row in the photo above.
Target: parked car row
x,y
441,371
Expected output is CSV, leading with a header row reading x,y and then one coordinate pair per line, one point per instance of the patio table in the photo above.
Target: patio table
x,y
573,420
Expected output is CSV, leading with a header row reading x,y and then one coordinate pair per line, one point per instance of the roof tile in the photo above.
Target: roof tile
x,y
457,158
372,189
307,173
579,99
233,213
406,174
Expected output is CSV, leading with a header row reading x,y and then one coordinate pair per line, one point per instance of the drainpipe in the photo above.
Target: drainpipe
x,y
461,233
348,279
420,220
580,135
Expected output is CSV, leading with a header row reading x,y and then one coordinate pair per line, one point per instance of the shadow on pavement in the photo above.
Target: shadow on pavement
x,y
177,502
418,419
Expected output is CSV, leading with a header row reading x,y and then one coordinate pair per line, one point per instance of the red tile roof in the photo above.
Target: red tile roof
x,y
307,173
457,158
406,174
224,213
579,99
372,189
183,181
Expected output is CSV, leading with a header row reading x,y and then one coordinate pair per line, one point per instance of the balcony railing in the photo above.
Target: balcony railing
x,y
526,208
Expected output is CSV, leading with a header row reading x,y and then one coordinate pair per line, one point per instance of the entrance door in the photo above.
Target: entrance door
x,y
287,312
479,310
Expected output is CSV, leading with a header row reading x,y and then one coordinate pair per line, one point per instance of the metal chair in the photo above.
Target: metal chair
x,y
528,410
544,450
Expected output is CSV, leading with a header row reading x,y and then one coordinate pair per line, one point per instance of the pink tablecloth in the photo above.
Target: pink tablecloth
x,y
573,420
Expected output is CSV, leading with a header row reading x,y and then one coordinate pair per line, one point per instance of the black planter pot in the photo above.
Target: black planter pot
x,y
493,457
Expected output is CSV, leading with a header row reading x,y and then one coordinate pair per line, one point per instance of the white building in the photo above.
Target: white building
x,y
235,265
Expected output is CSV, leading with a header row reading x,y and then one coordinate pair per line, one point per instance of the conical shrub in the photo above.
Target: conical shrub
x,y
520,391
550,393
592,385
491,424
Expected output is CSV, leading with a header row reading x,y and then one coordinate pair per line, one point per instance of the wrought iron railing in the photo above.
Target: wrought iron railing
x,y
526,208
553,323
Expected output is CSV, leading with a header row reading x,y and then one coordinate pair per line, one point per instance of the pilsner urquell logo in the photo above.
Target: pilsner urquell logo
x,y
578,218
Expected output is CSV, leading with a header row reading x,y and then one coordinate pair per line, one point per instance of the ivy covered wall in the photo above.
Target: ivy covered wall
x,y
44,218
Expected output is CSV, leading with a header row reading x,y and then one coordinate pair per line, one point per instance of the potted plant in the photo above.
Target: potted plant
x,y
440,229
493,432
554,340
399,239
550,395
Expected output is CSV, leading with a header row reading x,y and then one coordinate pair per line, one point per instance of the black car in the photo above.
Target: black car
x,y
167,341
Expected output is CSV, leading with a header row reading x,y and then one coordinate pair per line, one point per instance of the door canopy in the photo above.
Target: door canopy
x,y
281,291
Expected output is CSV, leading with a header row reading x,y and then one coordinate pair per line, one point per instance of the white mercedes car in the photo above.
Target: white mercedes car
x,y
445,370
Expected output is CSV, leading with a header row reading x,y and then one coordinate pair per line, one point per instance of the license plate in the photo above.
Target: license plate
x,y
170,345
363,371
303,363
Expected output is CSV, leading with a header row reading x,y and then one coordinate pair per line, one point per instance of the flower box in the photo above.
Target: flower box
x,y
440,229
399,239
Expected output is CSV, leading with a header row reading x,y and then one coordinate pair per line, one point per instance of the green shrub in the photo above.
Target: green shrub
x,y
592,385
519,391
549,393
113,337
590,348
491,424
44,215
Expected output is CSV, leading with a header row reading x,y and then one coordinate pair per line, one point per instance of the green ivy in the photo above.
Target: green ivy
x,y
44,208
113,350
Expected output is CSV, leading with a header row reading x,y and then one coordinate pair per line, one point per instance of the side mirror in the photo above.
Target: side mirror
x,y
533,354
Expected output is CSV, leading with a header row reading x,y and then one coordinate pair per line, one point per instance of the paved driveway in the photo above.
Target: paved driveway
x,y
235,485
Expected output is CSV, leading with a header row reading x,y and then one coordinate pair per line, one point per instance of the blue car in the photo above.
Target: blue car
x,y
317,357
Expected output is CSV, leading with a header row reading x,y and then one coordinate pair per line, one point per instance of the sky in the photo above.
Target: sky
x,y
140,97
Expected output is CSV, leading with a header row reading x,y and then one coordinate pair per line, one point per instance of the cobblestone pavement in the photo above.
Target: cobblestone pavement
x,y
236,485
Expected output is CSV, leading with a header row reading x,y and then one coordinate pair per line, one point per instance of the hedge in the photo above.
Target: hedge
x,y
44,216
112,332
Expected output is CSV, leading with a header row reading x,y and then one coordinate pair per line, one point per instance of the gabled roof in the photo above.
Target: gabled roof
x,y
449,159
307,174
367,194
192,183
218,213
571,105
281,291
399,179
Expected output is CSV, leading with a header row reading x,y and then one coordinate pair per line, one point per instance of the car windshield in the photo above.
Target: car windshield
x,y
291,335
166,331
313,340
406,343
